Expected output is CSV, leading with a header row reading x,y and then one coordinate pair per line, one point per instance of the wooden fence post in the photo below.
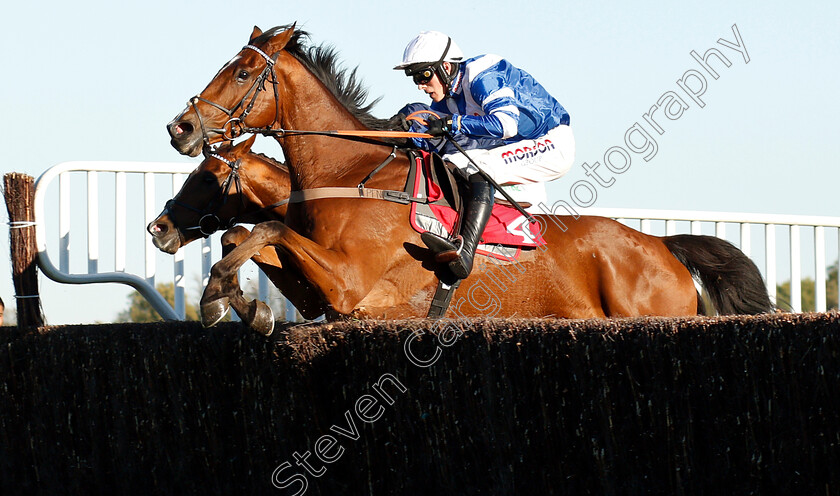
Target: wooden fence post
x,y
19,191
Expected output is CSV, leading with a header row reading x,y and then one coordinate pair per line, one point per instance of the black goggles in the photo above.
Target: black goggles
x,y
421,76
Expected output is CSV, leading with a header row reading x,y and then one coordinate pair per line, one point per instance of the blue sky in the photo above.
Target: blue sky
x,y
93,80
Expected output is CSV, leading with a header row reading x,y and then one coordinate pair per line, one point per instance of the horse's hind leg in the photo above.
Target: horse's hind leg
x,y
226,290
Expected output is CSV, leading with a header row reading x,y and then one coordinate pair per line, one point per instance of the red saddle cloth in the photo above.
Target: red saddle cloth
x,y
507,226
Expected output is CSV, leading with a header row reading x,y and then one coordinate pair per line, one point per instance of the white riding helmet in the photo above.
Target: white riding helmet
x,y
430,47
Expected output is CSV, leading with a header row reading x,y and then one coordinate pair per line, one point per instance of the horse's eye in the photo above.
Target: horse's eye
x,y
242,75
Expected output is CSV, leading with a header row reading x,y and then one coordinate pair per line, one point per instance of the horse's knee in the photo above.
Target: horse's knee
x,y
233,236
272,227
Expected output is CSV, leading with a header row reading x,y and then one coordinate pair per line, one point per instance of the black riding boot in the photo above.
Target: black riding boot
x,y
476,214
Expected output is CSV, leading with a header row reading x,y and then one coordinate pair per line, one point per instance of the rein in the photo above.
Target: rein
x,y
358,135
363,136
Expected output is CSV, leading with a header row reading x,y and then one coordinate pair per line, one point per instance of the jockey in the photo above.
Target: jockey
x,y
522,133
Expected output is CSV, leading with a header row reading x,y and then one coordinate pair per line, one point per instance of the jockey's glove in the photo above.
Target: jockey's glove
x,y
439,127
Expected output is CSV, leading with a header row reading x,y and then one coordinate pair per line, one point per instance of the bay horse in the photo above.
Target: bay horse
x,y
233,185
361,255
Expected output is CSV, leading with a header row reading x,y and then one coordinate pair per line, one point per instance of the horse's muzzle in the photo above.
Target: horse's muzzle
x,y
164,235
186,138
179,129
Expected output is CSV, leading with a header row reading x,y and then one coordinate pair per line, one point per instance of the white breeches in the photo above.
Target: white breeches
x,y
522,168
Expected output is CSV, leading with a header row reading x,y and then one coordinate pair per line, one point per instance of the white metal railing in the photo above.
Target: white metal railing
x,y
129,216
768,223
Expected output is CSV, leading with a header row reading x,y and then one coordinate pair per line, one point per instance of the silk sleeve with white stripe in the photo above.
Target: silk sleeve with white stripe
x,y
488,86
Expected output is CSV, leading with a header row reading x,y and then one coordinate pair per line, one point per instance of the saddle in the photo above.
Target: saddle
x,y
508,232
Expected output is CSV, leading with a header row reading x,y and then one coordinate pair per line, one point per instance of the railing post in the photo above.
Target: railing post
x,y
180,285
263,290
770,260
64,222
819,268
206,261
120,221
696,228
149,204
745,238
795,270
93,222
720,230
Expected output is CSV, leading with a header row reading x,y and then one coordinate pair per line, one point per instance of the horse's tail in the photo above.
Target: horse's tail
x,y
731,279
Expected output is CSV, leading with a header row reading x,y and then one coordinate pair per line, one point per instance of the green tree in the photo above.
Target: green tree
x,y
10,317
808,287
139,310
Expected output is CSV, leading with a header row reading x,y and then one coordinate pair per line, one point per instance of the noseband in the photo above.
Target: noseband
x,y
233,127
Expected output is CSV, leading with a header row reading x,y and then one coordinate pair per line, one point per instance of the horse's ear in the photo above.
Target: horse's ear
x,y
279,41
244,147
256,32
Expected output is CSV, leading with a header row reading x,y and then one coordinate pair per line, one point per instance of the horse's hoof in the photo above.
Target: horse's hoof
x,y
213,312
263,320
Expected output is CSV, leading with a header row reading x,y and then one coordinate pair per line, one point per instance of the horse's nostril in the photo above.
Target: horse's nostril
x,y
178,129
158,229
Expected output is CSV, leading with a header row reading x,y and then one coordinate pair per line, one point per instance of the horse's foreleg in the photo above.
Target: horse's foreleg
x,y
225,291
339,283
284,277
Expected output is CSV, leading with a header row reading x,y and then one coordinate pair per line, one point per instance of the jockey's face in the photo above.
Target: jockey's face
x,y
434,88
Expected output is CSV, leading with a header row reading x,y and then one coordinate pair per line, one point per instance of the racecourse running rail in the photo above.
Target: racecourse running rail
x,y
120,198
128,214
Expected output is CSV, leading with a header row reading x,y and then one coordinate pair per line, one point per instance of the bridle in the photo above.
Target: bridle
x,y
235,125
209,221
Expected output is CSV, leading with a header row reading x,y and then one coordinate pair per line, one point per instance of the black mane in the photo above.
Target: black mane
x,y
322,61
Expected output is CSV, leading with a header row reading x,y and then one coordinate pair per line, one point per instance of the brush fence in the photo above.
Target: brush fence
x,y
730,405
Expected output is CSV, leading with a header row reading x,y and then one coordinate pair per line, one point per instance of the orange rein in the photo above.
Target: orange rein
x,y
414,116
380,134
